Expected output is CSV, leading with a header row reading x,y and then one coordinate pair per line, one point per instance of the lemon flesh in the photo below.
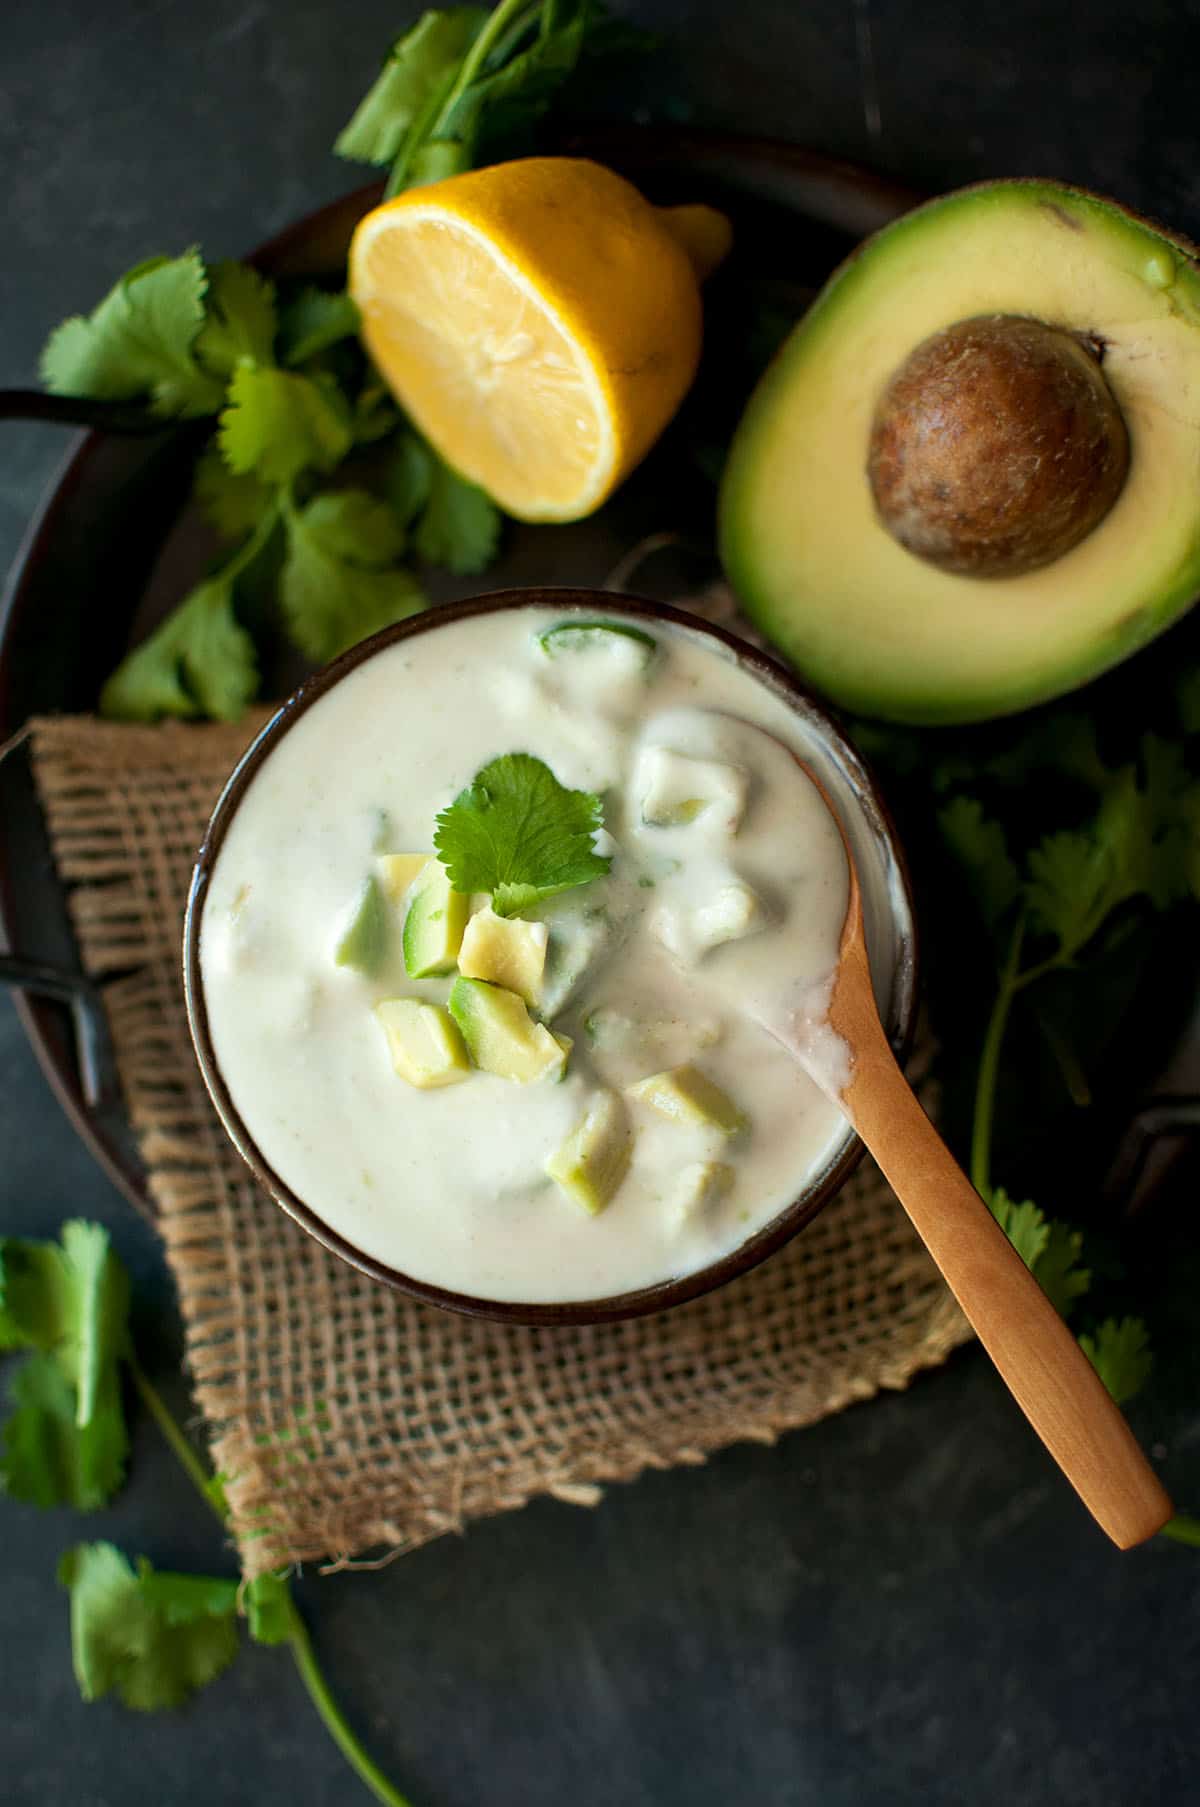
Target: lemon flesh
x,y
537,320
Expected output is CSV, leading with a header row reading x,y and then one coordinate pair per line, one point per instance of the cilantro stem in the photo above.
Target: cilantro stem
x,y
989,1063
478,55
298,1639
438,112
1183,1528
165,1419
331,1714
1032,974
248,551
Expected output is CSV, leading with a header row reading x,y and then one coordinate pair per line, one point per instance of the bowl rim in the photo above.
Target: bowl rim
x,y
899,1014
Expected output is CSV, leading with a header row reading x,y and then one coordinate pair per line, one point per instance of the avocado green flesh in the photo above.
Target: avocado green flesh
x,y
688,1096
433,925
595,636
501,1036
364,943
594,1159
873,626
424,1043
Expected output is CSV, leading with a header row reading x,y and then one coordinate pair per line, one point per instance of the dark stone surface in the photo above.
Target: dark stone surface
x,y
903,1605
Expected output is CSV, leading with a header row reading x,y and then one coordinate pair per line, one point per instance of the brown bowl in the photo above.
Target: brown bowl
x,y
887,902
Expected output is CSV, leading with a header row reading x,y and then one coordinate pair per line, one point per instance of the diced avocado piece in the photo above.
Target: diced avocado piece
x,y
501,1036
674,789
594,1159
617,639
507,950
398,871
434,924
919,352
733,912
423,1041
687,1096
702,1185
364,941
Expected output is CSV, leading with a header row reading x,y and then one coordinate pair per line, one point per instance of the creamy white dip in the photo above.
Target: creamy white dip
x,y
448,1185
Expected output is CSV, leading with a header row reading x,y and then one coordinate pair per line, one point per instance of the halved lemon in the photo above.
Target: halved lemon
x,y
538,320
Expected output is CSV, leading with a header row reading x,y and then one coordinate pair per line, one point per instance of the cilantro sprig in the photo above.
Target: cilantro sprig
x,y
1066,852
140,341
464,82
309,450
1050,907
339,558
67,1304
149,1636
519,834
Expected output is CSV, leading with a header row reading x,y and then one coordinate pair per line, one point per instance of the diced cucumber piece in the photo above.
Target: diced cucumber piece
x,y
734,911
612,1032
363,945
398,871
434,924
575,944
424,1043
615,638
507,950
673,789
686,1095
502,1037
702,1185
594,1159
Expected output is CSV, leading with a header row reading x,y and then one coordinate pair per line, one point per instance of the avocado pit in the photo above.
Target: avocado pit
x,y
997,446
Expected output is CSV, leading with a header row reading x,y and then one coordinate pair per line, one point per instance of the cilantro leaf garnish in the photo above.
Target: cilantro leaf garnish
x,y
241,319
408,476
234,501
510,93
1120,1354
149,1636
314,320
1051,1250
65,1441
1058,1271
277,423
462,79
139,340
340,582
460,524
519,834
48,1457
980,845
1024,1224
200,661
417,74
293,392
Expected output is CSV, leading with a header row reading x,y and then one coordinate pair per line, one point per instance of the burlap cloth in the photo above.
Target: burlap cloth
x,y
347,1419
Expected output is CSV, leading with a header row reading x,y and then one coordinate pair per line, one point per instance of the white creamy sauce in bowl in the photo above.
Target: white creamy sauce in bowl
x,y
727,874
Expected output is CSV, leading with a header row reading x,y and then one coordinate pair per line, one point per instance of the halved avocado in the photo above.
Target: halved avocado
x,y
970,481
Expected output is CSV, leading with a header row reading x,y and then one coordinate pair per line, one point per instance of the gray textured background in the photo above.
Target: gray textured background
x,y
903,1605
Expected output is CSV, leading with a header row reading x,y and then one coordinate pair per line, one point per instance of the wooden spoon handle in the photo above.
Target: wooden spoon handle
x,y
1040,1361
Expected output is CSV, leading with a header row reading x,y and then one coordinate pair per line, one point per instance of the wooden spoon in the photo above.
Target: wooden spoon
x,y
1038,1358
